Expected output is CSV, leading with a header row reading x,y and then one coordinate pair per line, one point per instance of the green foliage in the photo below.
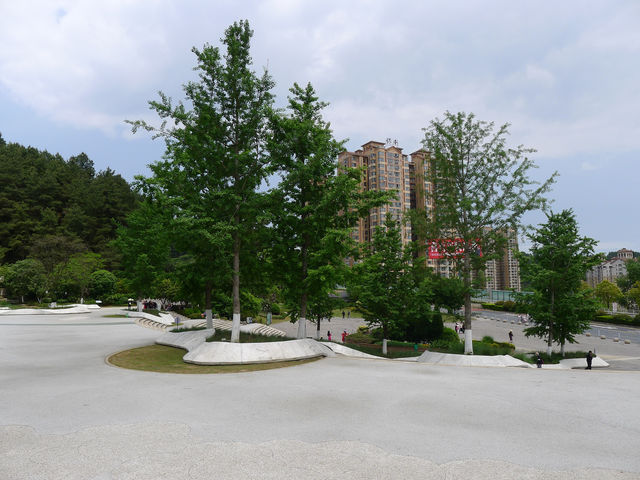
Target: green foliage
x,y
560,307
492,306
102,283
608,292
449,335
448,293
72,278
47,202
314,208
483,190
386,287
634,293
359,337
25,280
618,319
214,162
425,328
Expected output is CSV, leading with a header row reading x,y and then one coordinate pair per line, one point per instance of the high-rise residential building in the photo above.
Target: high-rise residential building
x,y
504,273
387,168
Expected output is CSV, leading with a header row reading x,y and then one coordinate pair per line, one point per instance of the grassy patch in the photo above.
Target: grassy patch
x,y
115,315
163,359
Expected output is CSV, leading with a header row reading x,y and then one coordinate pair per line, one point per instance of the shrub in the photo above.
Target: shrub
x,y
359,337
487,339
449,335
363,329
509,306
493,306
275,309
376,334
445,346
428,327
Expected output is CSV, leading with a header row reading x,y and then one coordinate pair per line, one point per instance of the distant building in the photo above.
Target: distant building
x,y
504,273
624,254
610,269
387,168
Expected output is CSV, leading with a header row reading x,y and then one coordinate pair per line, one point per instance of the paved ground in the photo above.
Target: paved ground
x,y
65,413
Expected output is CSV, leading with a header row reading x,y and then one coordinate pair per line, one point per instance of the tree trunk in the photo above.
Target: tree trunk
x,y
318,329
302,321
468,335
562,349
207,306
235,326
550,337
384,346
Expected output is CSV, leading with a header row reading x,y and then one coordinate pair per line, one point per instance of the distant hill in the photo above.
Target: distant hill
x,y
49,203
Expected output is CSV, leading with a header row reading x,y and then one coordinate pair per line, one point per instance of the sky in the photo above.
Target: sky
x,y
565,75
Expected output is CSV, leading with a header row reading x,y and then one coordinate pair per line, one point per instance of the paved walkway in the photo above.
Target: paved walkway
x,y
65,413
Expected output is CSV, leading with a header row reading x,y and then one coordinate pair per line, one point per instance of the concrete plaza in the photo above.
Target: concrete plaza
x,y
66,413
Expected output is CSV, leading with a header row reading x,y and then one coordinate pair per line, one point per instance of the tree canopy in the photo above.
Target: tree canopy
x,y
560,306
481,189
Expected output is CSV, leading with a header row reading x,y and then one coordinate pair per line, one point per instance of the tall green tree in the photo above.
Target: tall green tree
x,y
214,161
314,207
608,292
380,282
634,294
482,188
560,307
26,279
73,278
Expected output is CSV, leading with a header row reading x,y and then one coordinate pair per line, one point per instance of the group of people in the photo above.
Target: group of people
x,y
344,335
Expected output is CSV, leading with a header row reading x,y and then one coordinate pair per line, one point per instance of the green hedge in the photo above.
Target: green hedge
x,y
618,319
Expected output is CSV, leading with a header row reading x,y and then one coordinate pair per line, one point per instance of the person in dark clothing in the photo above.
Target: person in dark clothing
x,y
589,360
539,361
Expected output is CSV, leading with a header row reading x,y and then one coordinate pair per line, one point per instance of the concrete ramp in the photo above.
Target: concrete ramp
x,y
436,358
78,308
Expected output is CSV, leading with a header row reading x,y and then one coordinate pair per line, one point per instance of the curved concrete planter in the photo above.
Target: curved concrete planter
x,y
226,353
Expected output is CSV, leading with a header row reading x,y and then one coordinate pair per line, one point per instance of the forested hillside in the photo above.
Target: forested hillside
x,y
52,208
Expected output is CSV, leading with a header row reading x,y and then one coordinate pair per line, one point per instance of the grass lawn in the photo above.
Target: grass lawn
x,y
116,315
163,359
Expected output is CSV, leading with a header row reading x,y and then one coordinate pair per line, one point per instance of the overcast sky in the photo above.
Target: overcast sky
x,y
566,75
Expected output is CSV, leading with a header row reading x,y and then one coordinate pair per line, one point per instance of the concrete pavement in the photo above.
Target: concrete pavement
x,y
65,413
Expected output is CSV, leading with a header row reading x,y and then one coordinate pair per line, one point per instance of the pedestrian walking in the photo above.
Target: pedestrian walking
x,y
343,314
329,335
510,336
349,314
589,360
539,361
344,335
456,327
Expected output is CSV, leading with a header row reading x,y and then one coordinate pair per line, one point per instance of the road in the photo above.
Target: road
x,y
619,355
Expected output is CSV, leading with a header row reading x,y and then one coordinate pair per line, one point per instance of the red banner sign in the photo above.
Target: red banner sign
x,y
450,248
